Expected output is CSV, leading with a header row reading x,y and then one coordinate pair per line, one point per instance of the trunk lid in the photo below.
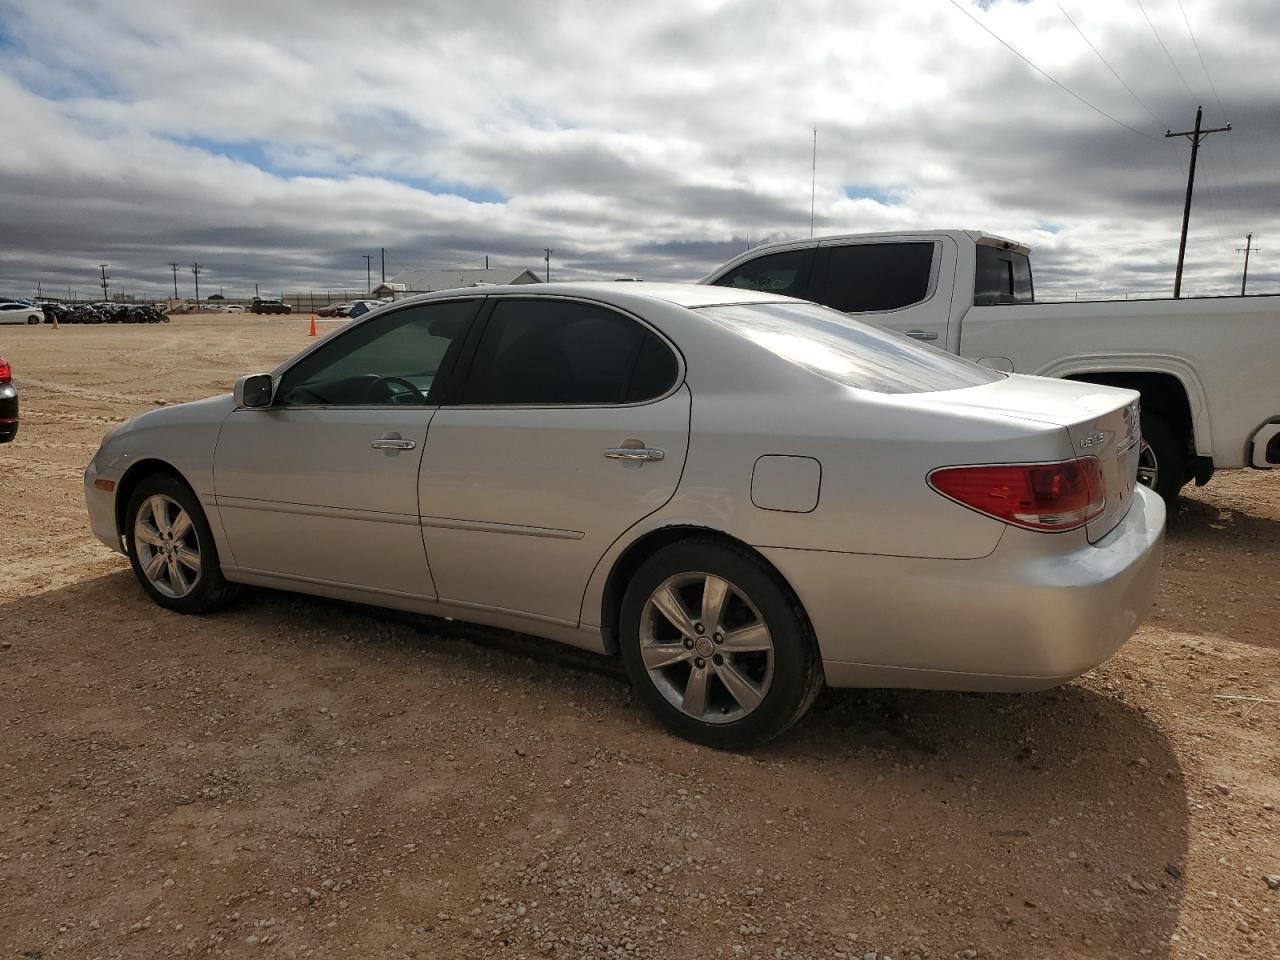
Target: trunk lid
x,y
1100,422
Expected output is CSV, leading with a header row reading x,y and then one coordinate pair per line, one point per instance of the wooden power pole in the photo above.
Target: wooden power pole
x,y
1248,246
1195,136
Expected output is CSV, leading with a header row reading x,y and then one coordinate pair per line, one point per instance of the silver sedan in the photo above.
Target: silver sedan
x,y
741,495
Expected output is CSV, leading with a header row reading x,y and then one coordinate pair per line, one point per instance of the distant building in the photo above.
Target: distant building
x,y
426,281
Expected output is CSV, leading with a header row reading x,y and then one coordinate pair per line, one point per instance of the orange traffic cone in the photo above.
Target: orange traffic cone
x,y
313,326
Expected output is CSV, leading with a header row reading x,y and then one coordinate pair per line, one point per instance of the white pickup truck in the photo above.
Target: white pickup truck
x,y
1208,369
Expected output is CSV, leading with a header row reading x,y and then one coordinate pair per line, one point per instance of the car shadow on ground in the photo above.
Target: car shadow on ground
x,y
1201,523
1030,816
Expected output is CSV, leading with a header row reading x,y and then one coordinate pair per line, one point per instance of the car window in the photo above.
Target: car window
x,y
1003,276
865,277
786,273
560,352
846,350
392,359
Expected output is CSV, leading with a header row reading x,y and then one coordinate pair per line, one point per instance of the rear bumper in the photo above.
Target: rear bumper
x,y
1022,618
8,412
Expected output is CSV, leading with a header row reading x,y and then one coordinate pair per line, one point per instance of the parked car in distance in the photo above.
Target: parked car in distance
x,y
8,403
360,307
267,305
233,308
13,311
729,489
1205,367
54,311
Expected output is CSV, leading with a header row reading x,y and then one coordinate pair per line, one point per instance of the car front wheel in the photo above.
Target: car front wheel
x,y
171,547
716,646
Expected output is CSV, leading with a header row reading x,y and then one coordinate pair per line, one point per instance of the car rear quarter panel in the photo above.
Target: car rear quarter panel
x,y
875,451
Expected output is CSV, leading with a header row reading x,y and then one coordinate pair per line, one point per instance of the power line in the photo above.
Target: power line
x,y
1167,54
1231,147
1055,82
1141,102
1200,57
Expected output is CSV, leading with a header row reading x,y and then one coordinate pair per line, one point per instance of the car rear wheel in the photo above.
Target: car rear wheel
x,y
1162,461
171,547
716,646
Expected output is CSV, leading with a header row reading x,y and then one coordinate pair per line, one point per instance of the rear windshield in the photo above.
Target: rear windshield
x,y
848,351
1002,277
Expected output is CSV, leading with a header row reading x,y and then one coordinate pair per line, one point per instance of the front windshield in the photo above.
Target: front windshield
x,y
848,351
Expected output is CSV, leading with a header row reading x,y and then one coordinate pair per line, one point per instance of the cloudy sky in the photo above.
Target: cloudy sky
x,y
278,142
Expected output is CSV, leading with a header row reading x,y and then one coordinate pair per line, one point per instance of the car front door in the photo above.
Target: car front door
x,y
572,425
889,283
322,485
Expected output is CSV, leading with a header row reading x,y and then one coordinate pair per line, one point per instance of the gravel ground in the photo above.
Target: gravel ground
x,y
297,778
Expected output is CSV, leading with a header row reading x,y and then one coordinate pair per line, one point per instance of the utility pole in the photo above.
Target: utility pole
x,y
1248,245
195,272
486,261
1195,136
548,252
384,264
368,273
255,291
105,278
175,279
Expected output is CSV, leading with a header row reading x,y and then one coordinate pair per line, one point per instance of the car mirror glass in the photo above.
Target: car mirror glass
x,y
254,390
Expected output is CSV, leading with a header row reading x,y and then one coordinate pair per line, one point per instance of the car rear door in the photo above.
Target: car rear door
x,y
322,486
572,425
785,272
888,282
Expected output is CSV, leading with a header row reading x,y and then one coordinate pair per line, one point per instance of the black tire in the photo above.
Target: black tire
x,y
1169,455
796,676
33,320
210,589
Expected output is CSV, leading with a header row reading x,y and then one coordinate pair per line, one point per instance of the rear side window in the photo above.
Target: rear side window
x,y
848,351
549,352
1003,276
866,277
786,273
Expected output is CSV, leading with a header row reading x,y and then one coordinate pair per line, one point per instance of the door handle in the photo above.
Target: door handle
x,y
389,443
922,334
640,454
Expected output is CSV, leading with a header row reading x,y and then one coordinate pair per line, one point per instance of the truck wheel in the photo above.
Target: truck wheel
x,y
1162,464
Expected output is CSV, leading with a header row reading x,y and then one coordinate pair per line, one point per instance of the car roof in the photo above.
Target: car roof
x,y
681,294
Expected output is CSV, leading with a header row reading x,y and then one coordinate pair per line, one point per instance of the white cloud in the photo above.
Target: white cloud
x,y
278,142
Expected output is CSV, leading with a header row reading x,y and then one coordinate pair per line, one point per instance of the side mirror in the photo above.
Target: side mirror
x,y
253,390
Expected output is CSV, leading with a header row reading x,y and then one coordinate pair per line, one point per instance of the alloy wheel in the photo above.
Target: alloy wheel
x,y
706,647
167,546
1148,466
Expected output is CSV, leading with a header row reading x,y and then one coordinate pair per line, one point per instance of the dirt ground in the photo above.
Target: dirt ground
x,y
301,778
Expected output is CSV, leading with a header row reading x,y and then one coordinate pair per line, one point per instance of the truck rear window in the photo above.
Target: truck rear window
x,y
848,351
1003,276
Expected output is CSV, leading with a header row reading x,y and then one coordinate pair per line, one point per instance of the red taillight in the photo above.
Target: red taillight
x,y
6,371
1038,496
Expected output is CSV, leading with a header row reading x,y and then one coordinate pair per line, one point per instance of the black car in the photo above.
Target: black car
x,y
263,305
8,403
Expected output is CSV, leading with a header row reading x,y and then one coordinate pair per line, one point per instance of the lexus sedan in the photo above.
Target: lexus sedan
x,y
741,495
